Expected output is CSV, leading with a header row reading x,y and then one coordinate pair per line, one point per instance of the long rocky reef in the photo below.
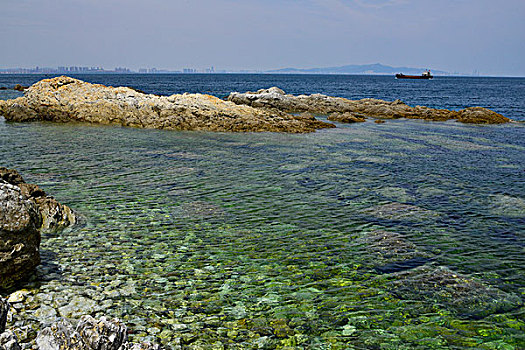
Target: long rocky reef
x,y
345,110
65,99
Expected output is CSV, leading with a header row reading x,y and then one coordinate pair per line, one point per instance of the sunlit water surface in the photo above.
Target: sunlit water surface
x,y
405,235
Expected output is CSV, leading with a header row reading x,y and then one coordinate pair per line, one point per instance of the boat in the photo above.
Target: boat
x,y
426,75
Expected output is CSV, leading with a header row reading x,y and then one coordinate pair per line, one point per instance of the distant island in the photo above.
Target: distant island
x,y
376,68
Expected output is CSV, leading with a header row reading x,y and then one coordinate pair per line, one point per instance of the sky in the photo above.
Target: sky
x,y
451,35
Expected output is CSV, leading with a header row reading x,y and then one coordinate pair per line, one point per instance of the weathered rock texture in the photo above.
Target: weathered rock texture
x,y
4,309
55,216
65,99
24,210
20,221
390,252
8,341
90,334
276,99
465,296
347,117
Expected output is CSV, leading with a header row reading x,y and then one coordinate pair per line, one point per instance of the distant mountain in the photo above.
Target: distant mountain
x,y
375,68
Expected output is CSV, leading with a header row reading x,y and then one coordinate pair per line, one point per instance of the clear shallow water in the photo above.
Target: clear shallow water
x,y
408,234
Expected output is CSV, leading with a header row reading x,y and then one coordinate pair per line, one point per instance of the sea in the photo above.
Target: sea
x,y
403,235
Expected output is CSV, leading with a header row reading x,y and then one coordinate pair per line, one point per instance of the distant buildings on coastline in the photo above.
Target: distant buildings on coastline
x,y
49,70
100,70
370,69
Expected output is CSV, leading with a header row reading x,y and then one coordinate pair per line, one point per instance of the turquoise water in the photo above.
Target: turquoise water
x,y
404,235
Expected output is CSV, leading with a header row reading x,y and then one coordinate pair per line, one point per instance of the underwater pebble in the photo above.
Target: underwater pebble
x,y
77,307
18,296
46,314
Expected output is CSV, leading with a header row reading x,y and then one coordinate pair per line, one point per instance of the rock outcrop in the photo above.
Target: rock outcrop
x,y
20,222
55,216
4,309
89,334
347,117
19,87
24,211
276,99
64,99
8,339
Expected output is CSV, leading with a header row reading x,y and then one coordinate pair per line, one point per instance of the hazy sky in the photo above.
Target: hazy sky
x,y
450,35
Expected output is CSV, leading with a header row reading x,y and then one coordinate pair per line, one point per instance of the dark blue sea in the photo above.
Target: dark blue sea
x,y
403,235
503,95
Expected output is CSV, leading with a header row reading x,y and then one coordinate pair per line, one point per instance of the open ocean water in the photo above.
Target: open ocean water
x,y
404,235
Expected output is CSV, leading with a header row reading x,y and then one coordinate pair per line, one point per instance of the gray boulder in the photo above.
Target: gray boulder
x,y
90,334
8,341
20,222
4,308
55,216
25,209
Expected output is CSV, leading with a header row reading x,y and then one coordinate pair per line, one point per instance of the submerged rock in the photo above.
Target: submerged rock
x,y
401,212
463,295
65,99
275,98
347,117
19,87
24,211
504,205
390,252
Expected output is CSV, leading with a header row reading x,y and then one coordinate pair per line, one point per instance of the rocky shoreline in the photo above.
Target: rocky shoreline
x,y
25,211
62,316
17,87
89,334
344,110
64,99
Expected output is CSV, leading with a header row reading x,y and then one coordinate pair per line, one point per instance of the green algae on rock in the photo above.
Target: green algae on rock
x,y
401,212
465,296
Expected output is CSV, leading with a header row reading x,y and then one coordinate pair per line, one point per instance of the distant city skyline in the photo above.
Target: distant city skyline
x,y
373,69
463,36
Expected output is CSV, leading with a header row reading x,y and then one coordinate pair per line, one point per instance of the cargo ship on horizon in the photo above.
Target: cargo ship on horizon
x,y
426,75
